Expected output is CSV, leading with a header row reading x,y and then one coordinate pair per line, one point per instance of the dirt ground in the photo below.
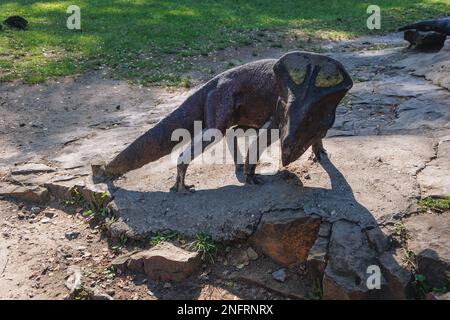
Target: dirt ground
x,y
36,255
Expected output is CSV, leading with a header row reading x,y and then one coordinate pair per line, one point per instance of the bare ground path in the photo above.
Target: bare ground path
x,y
389,147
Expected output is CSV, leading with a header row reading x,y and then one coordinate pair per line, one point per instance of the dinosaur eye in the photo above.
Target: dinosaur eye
x,y
297,75
329,77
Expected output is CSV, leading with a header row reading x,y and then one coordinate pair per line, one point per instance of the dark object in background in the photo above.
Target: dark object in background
x,y
425,41
17,22
438,25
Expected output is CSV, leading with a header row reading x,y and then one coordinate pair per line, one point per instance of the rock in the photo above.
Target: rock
x,y
287,241
166,262
17,22
167,285
98,170
252,254
98,295
71,235
33,194
73,282
32,168
325,229
317,259
120,228
238,258
429,239
280,275
45,220
136,262
349,257
377,239
398,277
294,286
49,214
120,263
20,216
425,40
433,67
35,210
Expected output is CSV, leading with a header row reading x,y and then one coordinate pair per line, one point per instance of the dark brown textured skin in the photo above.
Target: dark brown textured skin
x,y
438,25
245,96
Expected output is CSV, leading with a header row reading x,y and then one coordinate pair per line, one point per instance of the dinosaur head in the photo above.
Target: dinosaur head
x,y
310,87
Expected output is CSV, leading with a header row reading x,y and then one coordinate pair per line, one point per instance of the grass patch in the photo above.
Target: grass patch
x,y
98,208
204,244
434,203
164,236
151,40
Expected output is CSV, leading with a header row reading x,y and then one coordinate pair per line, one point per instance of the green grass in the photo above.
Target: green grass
x,y
204,244
436,203
151,41
163,236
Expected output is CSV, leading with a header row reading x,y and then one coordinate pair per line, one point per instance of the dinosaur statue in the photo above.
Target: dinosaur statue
x,y
438,25
297,94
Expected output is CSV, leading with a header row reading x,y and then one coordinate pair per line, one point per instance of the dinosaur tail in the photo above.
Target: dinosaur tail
x,y
156,142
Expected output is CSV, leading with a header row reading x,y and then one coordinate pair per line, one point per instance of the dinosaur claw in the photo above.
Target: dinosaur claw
x,y
254,179
182,188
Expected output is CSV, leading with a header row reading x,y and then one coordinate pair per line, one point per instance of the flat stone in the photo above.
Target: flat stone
x,y
33,194
434,67
429,240
31,168
166,262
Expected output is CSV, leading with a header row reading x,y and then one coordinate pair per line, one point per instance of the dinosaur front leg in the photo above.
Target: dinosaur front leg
x,y
255,151
318,151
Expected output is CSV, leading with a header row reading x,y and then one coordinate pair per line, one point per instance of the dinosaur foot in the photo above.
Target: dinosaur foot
x,y
318,153
254,179
182,188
